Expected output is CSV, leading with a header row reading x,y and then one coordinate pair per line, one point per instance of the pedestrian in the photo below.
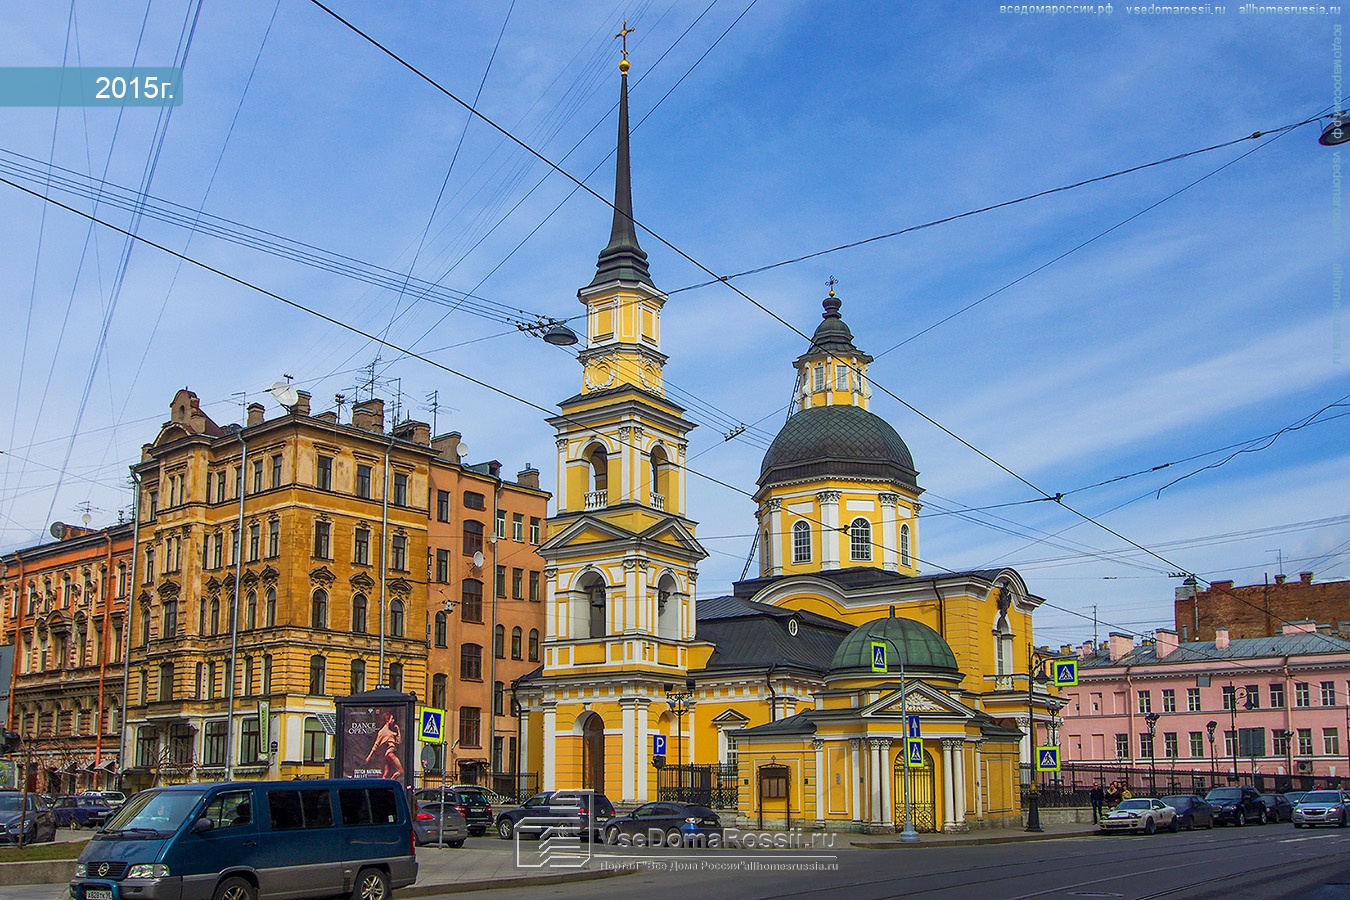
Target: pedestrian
x,y
1098,797
1113,794
1125,792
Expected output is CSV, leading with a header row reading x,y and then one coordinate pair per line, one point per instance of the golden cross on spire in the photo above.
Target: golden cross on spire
x,y
623,35
832,281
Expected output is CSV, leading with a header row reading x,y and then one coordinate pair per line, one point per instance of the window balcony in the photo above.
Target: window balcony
x,y
597,499
658,501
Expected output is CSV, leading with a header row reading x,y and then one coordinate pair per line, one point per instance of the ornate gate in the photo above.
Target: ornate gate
x,y
923,799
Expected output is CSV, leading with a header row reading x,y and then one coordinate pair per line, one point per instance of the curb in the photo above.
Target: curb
x,y
968,842
44,871
462,887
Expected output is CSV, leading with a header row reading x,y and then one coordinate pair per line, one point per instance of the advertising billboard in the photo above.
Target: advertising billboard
x,y
375,741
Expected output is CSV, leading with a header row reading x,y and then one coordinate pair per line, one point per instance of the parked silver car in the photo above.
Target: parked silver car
x,y
1322,808
1146,814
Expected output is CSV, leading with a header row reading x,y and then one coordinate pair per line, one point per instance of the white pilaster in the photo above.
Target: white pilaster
x,y
829,529
887,779
855,775
948,788
628,715
643,747
550,745
959,785
819,747
774,549
890,533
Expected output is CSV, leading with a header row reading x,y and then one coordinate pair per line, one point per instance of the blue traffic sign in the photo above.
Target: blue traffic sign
x,y
912,723
879,657
1047,759
658,745
432,722
1066,673
914,751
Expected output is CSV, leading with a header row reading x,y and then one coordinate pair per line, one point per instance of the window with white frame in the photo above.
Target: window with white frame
x,y
801,542
860,540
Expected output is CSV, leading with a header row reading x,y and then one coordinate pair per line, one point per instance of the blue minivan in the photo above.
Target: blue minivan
x,y
250,840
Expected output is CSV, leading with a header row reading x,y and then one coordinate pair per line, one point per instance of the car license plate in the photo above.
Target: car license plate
x,y
98,894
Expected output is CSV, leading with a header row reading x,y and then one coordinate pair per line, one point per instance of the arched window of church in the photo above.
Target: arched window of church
x,y
599,461
860,540
818,377
904,546
660,476
801,542
841,372
598,615
1003,650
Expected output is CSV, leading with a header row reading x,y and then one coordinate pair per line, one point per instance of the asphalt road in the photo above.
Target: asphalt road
x,y
1250,863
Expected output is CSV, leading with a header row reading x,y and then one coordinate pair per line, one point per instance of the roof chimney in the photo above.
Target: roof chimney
x,y
528,477
1220,638
1279,579
1119,644
1303,626
447,447
301,405
1086,650
1305,577
255,414
1166,642
368,415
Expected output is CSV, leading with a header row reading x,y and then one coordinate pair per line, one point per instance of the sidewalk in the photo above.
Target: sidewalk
x,y
973,838
482,864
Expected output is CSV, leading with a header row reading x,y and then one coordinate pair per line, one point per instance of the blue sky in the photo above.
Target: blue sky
x,y
760,135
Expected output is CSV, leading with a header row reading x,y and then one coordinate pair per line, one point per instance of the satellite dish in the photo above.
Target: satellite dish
x,y
284,394
462,449
86,518
58,530
477,557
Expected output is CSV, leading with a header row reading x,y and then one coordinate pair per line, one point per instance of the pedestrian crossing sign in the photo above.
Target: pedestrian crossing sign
x,y
914,751
432,720
1066,673
1047,759
879,656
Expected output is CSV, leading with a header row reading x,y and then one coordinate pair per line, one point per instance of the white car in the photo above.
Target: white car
x,y
1144,814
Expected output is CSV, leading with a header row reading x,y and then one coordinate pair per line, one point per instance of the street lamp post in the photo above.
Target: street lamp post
x,y
679,702
1247,703
1035,675
1152,720
1213,770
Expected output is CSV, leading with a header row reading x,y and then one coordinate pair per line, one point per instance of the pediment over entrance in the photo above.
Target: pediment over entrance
x,y
919,699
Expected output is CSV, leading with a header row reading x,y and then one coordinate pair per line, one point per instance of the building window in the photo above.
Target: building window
x,y
501,524
276,471
501,581
1331,742
1145,746
363,482
1170,745
1197,745
471,601
1277,696
1253,698
860,540
442,566
498,702
1122,746
518,526
1305,745
518,583
534,529
323,477
271,610
396,676
442,506
250,744
1169,700
322,532
251,611
1328,693
149,564
165,682
801,542
1229,698
1279,743
400,489
841,373
1192,699
257,476
1145,701
318,611
516,635
439,691
499,642
534,586
396,618
904,546
441,628
267,674
317,670
254,542
534,645
170,630
473,537
399,554
274,538
1301,695
213,744
361,546
469,727
147,746
359,614
471,662
474,500
1230,743
818,377
358,676
316,741
248,676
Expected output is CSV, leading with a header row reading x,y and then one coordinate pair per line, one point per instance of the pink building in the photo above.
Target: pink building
x,y
1268,706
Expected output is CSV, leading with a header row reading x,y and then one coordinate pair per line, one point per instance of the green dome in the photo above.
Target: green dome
x,y
922,648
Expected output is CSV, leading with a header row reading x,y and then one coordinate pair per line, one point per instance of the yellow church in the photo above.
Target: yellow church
x,y
786,701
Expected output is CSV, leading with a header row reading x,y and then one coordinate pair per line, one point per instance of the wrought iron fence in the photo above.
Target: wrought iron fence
x,y
714,786
515,786
1072,785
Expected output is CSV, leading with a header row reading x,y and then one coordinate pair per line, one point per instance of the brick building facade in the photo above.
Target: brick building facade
x,y
1262,610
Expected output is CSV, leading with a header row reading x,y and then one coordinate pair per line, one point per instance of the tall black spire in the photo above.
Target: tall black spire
x,y
623,259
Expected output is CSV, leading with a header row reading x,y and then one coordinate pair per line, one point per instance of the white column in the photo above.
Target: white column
x,y
959,785
855,775
681,452
948,790
687,727
629,751
829,529
887,779
890,534
644,748
561,496
979,783
631,616
550,744
552,608
524,748
1025,748
819,747
774,545
878,780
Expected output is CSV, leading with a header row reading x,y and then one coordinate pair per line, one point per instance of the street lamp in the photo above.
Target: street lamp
x,y
1248,702
680,704
1152,720
1035,675
1213,770
1289,754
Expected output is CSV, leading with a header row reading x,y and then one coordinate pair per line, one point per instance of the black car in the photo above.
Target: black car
x,y
1278,808
1237,805
584,809
472,804
34,820
1193,811
665,823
